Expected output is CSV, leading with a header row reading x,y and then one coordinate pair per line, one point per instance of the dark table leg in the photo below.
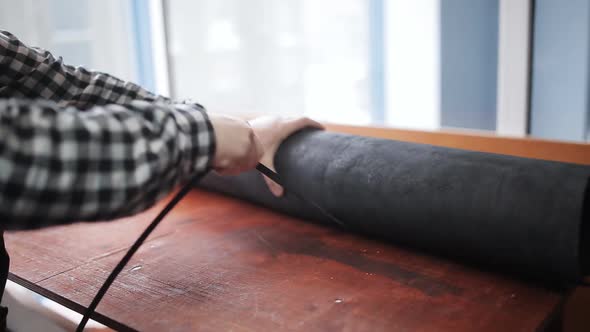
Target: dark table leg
x,y
4,264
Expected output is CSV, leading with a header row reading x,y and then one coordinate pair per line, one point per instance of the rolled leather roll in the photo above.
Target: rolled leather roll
x,y
524,216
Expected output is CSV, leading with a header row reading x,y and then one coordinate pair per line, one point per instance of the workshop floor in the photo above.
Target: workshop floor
x,y
28,311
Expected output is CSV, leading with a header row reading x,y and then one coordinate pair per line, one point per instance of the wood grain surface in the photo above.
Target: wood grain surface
x,y
484,141
218,264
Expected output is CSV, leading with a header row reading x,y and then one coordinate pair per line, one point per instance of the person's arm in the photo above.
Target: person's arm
x,y
60,165
30,72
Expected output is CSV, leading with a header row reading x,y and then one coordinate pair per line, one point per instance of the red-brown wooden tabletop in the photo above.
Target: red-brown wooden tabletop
x,y
219,264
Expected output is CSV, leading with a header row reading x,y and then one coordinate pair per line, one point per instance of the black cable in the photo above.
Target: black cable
x,y
275,177
105,286
180,195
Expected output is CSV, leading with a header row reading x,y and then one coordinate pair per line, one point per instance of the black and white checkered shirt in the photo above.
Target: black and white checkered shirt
x,y
79,145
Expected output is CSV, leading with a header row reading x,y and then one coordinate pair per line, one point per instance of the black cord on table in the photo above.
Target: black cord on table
x,y
180,195
105,286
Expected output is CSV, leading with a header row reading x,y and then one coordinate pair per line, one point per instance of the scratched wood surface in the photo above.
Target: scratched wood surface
x,y
218,264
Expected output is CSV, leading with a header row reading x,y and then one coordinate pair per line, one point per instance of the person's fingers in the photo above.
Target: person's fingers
x,y
269,132
274,188
307,122
300,123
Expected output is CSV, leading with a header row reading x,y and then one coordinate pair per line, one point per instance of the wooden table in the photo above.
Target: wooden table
x,y
219,264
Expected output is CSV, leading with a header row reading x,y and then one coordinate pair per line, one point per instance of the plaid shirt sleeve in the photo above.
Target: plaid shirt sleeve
x,y
58,164
30,72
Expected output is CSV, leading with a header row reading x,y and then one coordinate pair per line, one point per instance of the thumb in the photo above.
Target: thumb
x,y
274,187
300,123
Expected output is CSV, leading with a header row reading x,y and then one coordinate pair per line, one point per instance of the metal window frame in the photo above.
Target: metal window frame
x,y
514,67
150,36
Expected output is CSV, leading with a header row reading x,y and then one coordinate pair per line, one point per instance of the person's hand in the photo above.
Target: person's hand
x,y
272,130
237,147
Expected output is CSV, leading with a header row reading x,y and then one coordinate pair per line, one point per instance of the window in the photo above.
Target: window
x,y
290,57
419,64
93,33
393,63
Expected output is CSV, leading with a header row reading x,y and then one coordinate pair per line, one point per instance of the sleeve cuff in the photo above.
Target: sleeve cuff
x,y
201,150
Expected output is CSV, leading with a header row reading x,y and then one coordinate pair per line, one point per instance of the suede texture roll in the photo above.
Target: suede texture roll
x,y
523,216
